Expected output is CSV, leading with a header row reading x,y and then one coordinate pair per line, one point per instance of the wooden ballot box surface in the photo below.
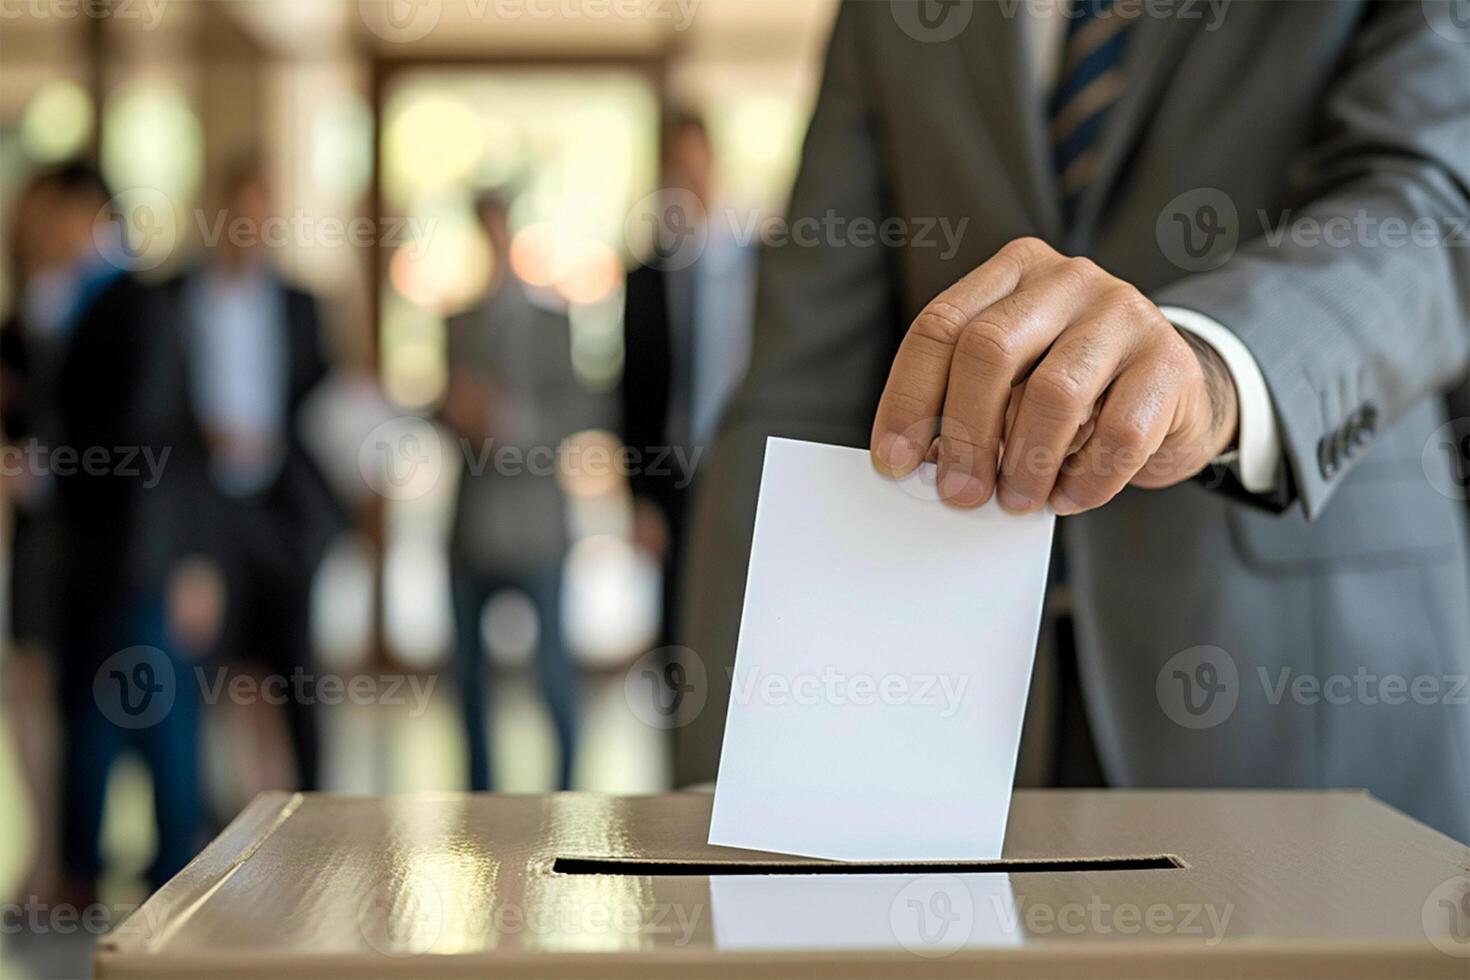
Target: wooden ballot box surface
x,y
1097,883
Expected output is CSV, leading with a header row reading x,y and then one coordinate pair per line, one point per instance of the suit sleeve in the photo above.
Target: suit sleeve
x,y
1352,332
823,334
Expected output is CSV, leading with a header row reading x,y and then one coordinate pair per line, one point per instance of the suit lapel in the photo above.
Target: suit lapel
x,y
1151,58
1014,110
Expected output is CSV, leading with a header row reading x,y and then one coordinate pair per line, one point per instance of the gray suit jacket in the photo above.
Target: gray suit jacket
x,y
510,514
1199,612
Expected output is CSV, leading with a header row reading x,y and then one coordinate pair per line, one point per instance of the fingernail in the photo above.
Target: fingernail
x,y
896,453
1013,501
959,487
1063,504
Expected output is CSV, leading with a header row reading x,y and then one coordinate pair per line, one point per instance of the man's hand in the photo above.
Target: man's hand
x,y
1055,380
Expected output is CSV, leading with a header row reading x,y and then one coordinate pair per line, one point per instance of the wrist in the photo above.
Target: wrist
x,y
1219,385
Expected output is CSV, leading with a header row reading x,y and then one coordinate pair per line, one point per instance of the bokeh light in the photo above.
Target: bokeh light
x,y
57,122
447,265
153,139
433,140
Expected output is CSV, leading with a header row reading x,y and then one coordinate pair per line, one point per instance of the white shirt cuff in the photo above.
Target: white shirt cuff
x,y
1258,454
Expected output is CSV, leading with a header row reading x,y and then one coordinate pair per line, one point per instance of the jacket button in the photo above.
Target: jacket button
x,y
1329,460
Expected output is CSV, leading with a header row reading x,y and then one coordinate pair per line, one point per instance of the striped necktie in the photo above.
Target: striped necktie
x,y
1090,81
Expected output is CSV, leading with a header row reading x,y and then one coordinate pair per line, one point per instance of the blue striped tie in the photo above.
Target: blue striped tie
x,y
1090,81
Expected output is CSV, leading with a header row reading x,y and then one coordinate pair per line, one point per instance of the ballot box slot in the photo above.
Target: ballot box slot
x,y
644,867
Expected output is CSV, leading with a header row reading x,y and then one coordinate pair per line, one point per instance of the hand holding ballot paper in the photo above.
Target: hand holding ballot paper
x,y
884,657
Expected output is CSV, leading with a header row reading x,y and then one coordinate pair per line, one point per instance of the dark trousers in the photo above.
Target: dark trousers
x,y
268,617
103,716
554,668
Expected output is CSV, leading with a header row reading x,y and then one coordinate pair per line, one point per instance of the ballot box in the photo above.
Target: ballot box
x,y
1091,884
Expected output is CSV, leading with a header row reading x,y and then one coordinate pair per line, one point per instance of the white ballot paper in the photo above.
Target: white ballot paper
x,y
884,658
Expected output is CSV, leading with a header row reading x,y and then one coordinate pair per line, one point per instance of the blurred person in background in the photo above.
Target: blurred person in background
x,y
244,515
122,682
31,341
686,343
512,398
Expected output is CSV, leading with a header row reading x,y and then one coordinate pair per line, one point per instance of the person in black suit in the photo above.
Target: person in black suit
x,y
686,340
121,680
244,514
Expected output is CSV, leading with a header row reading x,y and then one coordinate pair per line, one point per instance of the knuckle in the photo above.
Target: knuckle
x,y
987,344
1125,434
1081,271
1058,391
908,401
1027,249
940,322
1130,302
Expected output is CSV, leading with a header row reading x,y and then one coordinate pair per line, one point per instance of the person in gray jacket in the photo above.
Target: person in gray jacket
x,y
1209,284
512,398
